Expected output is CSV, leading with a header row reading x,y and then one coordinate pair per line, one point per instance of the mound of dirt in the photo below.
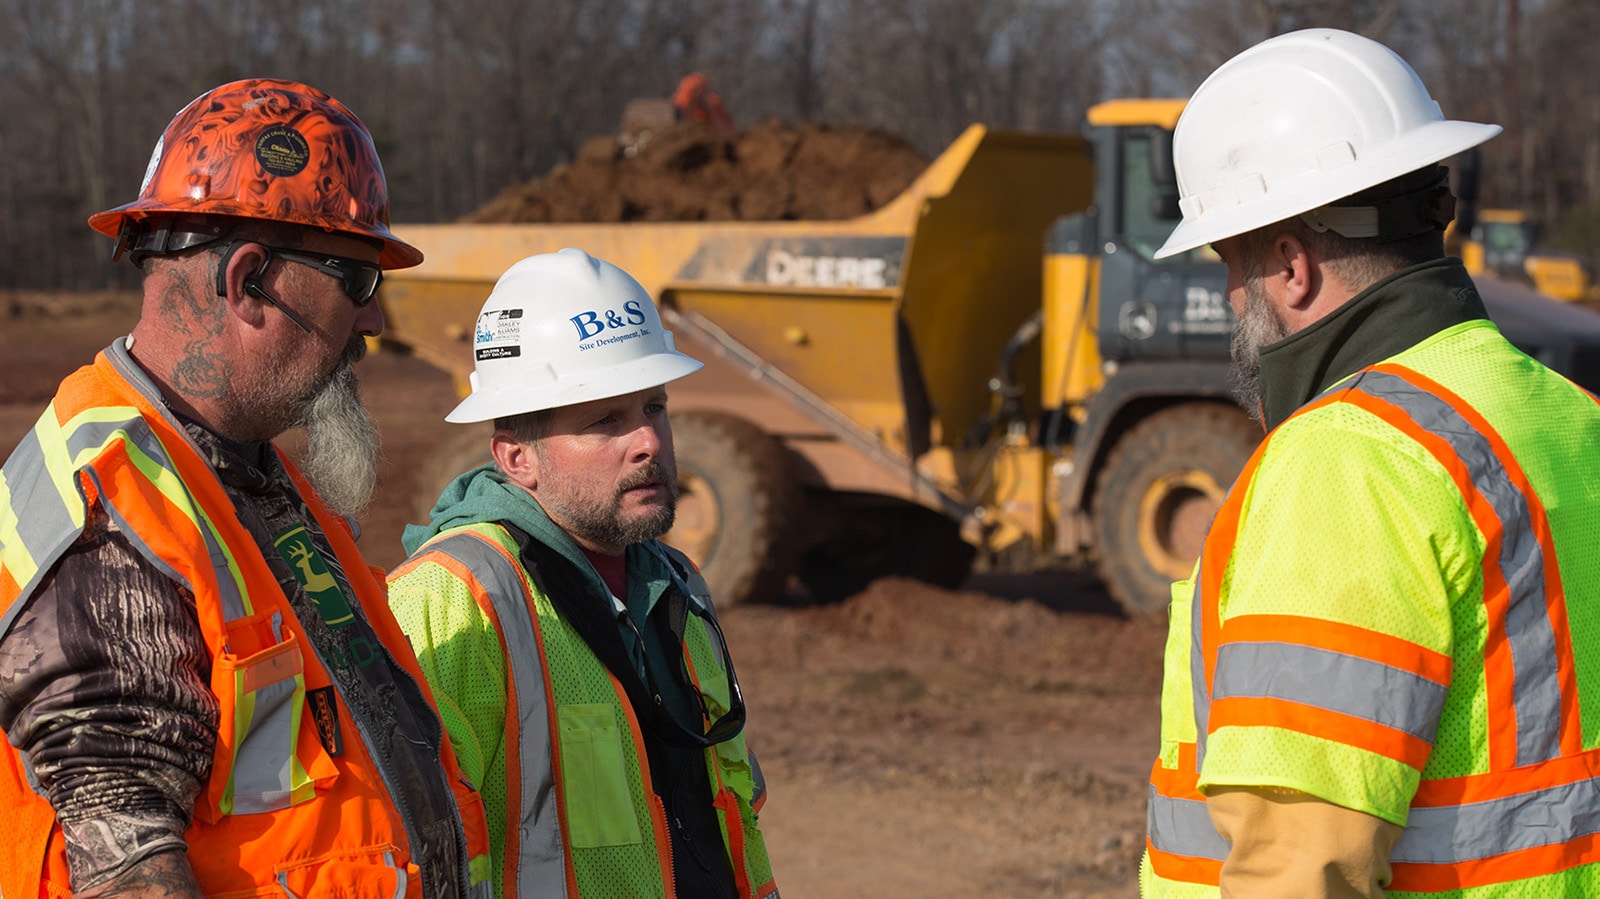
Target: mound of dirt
x,y
686,172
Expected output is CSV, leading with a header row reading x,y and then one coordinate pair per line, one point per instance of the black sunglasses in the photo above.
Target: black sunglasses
x,y
727,726
360,279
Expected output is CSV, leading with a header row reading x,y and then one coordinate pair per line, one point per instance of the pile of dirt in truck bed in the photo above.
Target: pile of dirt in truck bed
x,y
685,172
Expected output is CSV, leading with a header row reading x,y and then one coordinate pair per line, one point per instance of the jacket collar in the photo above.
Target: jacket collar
x,y
1390,316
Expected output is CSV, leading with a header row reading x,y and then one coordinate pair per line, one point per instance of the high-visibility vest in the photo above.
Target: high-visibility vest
x,y
278,813
602,830
1449,706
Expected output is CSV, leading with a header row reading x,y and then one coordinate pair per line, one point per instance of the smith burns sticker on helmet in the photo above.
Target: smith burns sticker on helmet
x,y
498,335
282,150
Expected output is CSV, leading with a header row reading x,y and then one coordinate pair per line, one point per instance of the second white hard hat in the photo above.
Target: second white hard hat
x,y
564,328
1297,122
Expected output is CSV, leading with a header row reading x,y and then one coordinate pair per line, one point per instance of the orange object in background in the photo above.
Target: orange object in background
x,y
695,101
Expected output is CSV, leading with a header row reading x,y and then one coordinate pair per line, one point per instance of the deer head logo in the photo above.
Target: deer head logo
x,y
315,580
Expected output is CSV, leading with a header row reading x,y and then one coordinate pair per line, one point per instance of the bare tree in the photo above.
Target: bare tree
x,y
465,97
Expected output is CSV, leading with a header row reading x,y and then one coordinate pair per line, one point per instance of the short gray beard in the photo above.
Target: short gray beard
x,y
1258,326
342,443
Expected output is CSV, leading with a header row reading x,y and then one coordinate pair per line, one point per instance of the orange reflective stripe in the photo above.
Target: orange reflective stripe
x,y
1336,636
658,812
1177,783
1323,724
1512,866
1500,662
1555,595
511,730
1213,566
1452,791
1183,867
728,804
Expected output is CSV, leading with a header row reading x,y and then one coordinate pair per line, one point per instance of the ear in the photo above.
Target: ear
x,y
239,280
516,459
1293,275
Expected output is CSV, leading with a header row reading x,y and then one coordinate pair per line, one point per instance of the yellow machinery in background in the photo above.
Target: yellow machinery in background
x,y
1504,243
991,366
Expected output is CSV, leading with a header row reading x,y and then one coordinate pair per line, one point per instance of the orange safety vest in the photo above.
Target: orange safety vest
x,y
278,812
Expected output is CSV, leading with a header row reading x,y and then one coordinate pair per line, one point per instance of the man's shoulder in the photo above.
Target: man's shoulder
x,y
478,547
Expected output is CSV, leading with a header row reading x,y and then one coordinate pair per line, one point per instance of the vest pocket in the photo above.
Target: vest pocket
x,y
267,738
594,778
367,873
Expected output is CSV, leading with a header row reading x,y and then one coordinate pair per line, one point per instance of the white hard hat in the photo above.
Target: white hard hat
x,y
1297,122
564,328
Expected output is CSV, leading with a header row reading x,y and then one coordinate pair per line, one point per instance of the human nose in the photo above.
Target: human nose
x,y
647,441
369,320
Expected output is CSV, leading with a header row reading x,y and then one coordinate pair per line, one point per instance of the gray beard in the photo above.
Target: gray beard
x,y
342,444
1259,326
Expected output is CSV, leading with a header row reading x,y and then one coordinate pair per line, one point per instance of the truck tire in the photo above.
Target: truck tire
x,y
1156,494
462,447
866,537
738,506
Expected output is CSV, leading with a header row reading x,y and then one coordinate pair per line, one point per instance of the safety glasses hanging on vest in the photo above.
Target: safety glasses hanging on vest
x,y
728,725
590,613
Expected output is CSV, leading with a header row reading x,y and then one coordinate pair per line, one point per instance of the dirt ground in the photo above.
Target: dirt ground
x,y
991,742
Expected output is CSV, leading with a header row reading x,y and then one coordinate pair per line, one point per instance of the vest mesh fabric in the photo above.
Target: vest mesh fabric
x,y
485,763
575,674
1353,520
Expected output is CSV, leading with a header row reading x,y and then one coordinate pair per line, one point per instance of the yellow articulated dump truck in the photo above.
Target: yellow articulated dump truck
x,y
1504,243
989,368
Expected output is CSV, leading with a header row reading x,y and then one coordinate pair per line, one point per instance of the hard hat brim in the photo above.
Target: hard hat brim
x,y
1425,145
516,399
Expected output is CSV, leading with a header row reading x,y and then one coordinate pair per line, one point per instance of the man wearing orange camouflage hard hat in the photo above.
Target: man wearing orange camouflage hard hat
x,y
201,686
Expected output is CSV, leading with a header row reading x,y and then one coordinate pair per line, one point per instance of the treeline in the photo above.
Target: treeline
x,y
467,96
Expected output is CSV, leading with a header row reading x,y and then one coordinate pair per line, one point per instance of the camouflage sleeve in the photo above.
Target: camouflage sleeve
x,y
104,688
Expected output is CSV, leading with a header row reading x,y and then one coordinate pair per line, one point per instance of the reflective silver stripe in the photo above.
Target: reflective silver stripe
x,y
229,582
43,525
1183,827
1331,680
138,433
401,882
1477,830
1536,693
399,875
1197,664
46,526
542,861
264,762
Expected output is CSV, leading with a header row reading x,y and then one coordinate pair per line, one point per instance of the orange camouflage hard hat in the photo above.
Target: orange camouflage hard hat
x,y
262,148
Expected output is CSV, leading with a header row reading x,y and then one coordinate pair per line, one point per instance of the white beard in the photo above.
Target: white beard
x,y
342,444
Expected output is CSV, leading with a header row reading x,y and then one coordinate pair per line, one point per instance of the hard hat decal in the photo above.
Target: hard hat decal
x,y
282,150
498,335
591,322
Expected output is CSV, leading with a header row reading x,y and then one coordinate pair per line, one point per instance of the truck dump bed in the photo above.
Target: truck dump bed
x,y
879,333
